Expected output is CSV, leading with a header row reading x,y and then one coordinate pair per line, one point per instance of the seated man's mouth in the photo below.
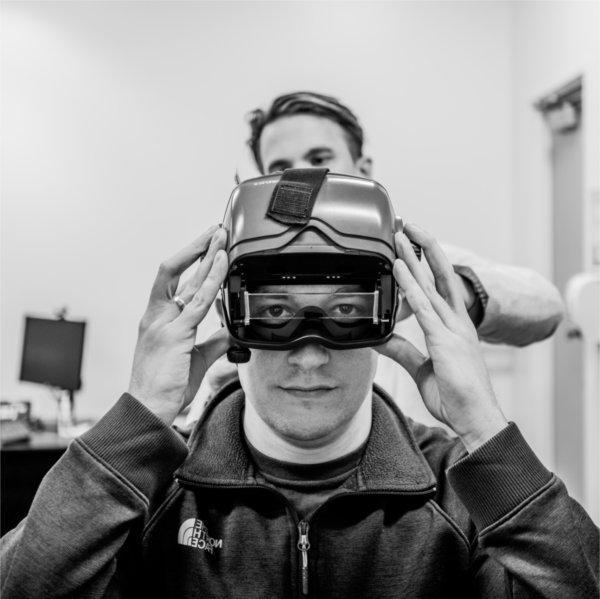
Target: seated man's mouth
x,y
314,389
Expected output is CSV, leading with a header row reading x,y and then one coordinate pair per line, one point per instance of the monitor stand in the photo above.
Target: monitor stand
x,y
65,412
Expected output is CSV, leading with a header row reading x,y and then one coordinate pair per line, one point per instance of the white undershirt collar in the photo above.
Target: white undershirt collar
x,y
263,438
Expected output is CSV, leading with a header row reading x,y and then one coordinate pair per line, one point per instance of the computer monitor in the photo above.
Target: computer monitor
x,y
52,352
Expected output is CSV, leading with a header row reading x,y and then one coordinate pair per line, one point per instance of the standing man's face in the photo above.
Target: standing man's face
x,y
305,141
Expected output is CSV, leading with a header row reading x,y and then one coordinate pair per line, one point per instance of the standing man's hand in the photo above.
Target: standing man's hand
x,y
454,382
474,308
167,367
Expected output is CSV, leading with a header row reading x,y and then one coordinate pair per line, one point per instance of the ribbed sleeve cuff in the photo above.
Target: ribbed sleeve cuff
x,y
138,445
478,288
497,477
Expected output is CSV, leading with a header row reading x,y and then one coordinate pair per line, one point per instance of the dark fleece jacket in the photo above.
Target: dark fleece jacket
x,y
131,511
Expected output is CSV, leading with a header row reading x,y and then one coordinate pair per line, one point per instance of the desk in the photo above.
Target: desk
x,y
22,467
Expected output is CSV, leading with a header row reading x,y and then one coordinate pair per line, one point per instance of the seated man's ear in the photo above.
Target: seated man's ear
x,y
220,309
365,166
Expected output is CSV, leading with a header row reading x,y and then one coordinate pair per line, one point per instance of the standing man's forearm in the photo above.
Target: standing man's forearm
x,y
518,305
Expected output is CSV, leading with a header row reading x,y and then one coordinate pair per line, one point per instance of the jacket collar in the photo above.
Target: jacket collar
x,y
219,455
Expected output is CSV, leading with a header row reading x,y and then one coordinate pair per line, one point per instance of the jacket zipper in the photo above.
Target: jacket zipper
x,y
303,525
304,546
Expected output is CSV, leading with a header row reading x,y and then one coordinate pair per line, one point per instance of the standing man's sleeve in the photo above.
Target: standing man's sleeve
x,y
87,506
519,305
532,539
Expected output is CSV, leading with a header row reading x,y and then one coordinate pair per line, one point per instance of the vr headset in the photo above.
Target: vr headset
x,y
310,260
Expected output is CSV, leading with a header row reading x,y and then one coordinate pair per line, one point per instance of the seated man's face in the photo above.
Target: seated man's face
x,y
305,141
308,394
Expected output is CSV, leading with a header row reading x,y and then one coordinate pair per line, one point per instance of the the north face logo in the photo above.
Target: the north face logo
x,y
193,533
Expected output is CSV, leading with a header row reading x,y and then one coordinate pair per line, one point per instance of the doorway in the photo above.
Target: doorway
x,y
563,112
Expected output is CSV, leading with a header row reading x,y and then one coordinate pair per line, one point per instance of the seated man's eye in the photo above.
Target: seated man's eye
x,y
350,310
275,311
356,310
346,309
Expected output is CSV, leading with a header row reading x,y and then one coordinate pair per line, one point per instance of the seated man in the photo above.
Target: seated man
x,y
508,304
306,481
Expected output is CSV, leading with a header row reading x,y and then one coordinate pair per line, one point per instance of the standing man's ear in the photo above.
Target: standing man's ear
x,y
364,166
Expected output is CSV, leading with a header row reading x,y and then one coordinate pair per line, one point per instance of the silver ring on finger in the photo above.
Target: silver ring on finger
x,y
180,303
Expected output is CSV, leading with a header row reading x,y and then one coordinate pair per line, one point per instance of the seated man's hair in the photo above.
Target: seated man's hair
x,y
306,103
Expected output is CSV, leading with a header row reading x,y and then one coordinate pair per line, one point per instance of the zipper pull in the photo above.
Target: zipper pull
x,y
304,546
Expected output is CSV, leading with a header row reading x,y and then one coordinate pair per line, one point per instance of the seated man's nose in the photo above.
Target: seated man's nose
x,y
309,356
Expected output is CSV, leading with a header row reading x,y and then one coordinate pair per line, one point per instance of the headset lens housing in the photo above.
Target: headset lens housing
x,y
340,301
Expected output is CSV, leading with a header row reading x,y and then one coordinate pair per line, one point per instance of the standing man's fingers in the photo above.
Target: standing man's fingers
x,y
445,278
171,269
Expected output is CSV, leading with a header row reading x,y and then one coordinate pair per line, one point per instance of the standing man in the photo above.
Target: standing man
x,y
507,304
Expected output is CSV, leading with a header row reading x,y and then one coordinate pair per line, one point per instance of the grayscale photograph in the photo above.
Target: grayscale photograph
x,y
300,299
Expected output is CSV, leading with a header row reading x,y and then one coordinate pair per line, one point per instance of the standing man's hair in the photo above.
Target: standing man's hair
x,y
306,103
